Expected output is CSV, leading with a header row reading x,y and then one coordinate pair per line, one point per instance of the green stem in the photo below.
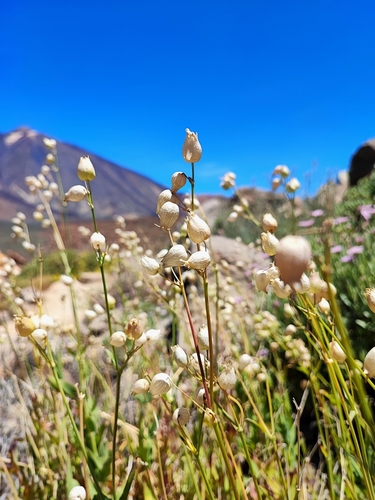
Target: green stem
x,y
228,465
204,475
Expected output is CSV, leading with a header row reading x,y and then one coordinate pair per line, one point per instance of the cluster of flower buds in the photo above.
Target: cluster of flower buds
x,y
228,181
35,326
20,231
279,178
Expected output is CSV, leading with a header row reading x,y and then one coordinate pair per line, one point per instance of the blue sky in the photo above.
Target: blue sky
x,y
263,82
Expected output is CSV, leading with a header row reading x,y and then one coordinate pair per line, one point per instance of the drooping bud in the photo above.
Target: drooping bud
x,y
369,363
85,169
76,193
97,241
262,280
140,386
168,214
227,378
293,185
77,493
24,326
181,416
165,196
198,230
176,256
203,340
178,181
269,243
370,297
191,149
292,258
336,351
269,223
150,265
199,260
117,339
180,356
160,384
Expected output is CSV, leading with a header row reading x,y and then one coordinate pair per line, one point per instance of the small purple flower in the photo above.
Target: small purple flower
x,y
355,250
336,249
366,211
306,223
317,213
359,239
340,220
347,258
263,353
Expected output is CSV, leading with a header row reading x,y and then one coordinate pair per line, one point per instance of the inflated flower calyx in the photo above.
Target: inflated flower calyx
x,y
180,356
77,493
370,297
292,258
262,280
181,416
227,378
324,306
86,170
76,193
151,266
197,229
40,335
140,386
281,289
97,241
191,149
168,214
336,351
160,384
165,196
198,260
178,181
293,185
269,223
133,329
369,363
270,243
176,256
24,326
117,339
203,340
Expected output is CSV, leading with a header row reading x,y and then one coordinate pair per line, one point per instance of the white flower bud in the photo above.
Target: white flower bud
x,y
227,378
77,493
289,311
85,169
67,280
160,384
273,272
178,181
336,351
324,306
153,336
269,223
176,256
48,195
232,217
303,285
191,149
97,241
201,397
181,416
50,158
140,386
165,196
276,183
38,216
40,335
203,340
198,260
195,363
98,308
228,181
90,314
293,185
269,243
281,289
370,297
197,229
262,280
369,363
180,356
292,258
49,143
244,360
117,339
142,339
150,265
168,214
76,193
290,329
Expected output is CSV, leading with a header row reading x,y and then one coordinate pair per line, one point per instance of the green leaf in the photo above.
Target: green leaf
x,y
69,389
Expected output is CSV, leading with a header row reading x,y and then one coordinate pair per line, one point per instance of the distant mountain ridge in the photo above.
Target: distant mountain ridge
x,y
116,190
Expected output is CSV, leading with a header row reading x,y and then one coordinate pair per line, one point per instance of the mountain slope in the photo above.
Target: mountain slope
x,y
116,190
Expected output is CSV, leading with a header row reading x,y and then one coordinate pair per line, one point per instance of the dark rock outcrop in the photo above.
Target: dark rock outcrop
x,y
362,162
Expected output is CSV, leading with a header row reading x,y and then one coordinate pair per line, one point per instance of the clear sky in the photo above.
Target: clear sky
x,y
263,82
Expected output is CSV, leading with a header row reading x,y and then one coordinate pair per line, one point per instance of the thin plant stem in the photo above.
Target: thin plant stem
x,y
229,467
210,335
202,470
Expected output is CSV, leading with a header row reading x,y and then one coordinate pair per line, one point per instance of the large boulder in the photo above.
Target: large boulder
x,y
362,162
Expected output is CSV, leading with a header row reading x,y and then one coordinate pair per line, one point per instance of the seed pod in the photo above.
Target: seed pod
x,y
269,223
160,384
370,297
176,256
180,356
197,229
165,196
178,181
85,169
76,193
269,243
133,329
369,363
303,286
191,149
24,326
195,363
336,351
181,416
262,280
292,258
168,214
199,260
140,386
117,339
150,265
97,241
203,340
227,378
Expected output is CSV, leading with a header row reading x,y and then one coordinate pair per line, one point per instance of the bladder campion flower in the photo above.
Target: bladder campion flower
x,y
85,169
191,149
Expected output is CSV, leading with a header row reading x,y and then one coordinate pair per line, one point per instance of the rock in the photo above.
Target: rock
x,y
362,162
